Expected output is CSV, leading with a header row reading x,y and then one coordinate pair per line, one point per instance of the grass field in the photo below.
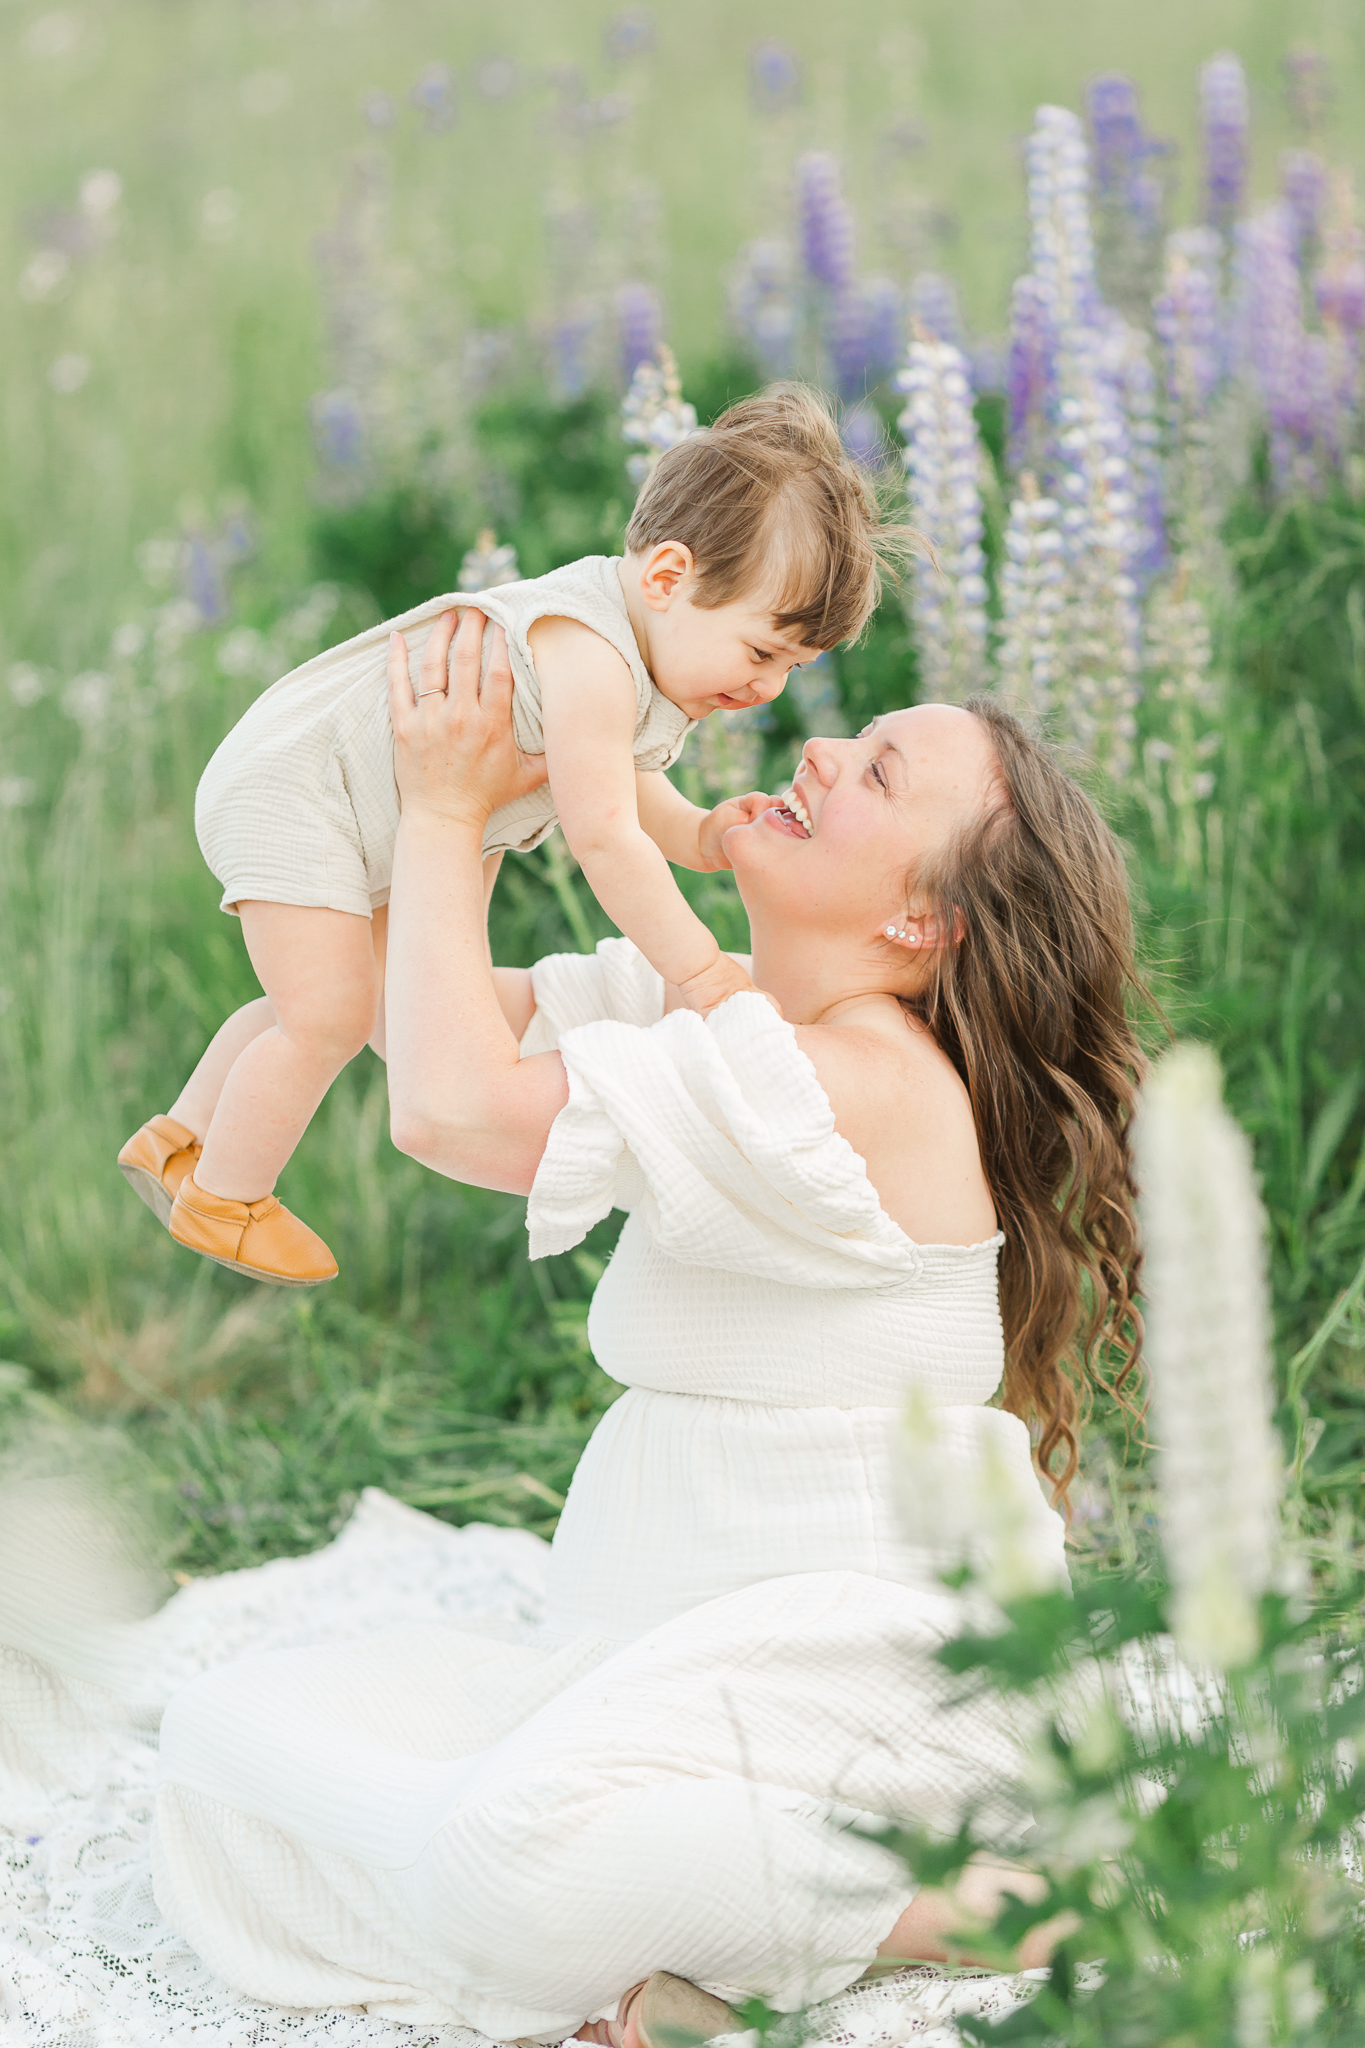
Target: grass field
x,y
443,1365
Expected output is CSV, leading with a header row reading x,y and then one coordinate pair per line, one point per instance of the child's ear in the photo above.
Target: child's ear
x,y
662,572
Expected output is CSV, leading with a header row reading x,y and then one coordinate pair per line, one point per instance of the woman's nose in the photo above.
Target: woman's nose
x,y
821,758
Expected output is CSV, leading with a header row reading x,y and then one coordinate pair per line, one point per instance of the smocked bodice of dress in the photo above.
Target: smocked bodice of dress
x,y
768,1318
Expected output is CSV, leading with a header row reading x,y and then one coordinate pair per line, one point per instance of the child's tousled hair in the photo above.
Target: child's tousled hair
x,y
769,501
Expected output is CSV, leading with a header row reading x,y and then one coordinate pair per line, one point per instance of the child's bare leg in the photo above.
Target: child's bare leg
x,y
318,970
194,1105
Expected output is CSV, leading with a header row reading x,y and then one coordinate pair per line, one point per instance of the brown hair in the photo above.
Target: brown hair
x,y
768,499
1032,1006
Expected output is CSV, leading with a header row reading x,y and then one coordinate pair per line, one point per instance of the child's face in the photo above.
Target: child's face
x,y
723,658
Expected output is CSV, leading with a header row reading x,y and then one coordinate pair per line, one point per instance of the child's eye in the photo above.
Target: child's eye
x,y
759,654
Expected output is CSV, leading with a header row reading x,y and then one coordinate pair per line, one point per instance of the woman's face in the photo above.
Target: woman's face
x,y
860,812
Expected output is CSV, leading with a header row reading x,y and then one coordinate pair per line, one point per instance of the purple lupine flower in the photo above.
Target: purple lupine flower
x,y
639,318
1129,190
934,307
774,77
1225,116
203,578
943,459
572,341
866,333
826,220
761,304
989,357
434,98
1303,186
1187,317
630,34
1308,89
1273,345
338,430
1031,372
1116,134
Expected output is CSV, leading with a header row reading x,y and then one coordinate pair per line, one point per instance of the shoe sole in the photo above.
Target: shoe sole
x,y
148,1189
253,1272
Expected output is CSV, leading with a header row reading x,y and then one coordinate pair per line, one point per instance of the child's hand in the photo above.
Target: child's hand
x,y
736,810
723,978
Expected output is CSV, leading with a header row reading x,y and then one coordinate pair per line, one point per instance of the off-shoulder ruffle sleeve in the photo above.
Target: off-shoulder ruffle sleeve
x,y
586,988
716,1134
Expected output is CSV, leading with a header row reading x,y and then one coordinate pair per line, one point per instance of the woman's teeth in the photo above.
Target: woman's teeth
x,y
792,802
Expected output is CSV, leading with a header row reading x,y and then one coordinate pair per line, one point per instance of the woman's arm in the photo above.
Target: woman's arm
x,y
461,1098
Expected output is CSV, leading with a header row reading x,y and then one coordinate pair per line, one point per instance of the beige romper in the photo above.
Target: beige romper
x,y
299,803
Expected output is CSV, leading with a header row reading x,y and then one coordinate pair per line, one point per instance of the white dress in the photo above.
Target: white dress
x,y
299,803
734,1669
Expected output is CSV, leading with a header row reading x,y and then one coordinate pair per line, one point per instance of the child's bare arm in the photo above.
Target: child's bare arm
x,y
685,834
588,711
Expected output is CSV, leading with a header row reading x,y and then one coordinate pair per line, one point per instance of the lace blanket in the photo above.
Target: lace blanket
x,y
86,1960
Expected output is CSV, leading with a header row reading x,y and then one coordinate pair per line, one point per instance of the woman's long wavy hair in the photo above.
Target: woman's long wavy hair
x,y
1032,1006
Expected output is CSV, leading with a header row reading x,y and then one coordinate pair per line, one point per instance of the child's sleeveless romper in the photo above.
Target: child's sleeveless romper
x,y
299,804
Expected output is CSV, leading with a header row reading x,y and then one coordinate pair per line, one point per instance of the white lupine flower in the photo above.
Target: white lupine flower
x,y
655,414
487,566
1032,597
1207,1314
943,463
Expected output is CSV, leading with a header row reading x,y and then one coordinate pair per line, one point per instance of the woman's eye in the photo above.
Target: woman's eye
x,y
880,774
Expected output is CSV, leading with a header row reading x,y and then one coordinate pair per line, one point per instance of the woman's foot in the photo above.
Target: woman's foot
x,y
155,1161
663,2012
261,1239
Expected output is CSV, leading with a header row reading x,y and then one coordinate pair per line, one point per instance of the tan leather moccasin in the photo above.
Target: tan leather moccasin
x,y
261,1238
155,1161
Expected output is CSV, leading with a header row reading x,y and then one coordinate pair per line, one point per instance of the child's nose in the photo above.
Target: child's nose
x,y
767,686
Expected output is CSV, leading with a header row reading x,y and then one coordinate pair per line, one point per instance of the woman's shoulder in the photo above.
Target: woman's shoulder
x,y
901,1104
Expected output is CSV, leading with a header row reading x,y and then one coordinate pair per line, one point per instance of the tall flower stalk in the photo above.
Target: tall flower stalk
x,y
1032,600
1177,659
1085,451
943,463
1188,317
1129,192
1207,1347
654,414
1225,121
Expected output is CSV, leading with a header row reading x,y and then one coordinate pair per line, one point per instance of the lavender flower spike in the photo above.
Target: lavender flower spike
x,y
761,303
1225,115
943,460
1207,1347
826,220
639,318
655,414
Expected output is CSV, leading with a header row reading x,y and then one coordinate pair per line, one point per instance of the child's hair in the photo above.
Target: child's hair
x,y
769,502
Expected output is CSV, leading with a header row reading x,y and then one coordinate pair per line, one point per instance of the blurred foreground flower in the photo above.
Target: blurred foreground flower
x,y
655,414
1207,1350
487,565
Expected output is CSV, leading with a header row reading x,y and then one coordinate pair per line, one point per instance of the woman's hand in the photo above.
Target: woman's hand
x,y
454,754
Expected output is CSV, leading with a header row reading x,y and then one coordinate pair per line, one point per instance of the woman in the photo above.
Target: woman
x,y
663,1789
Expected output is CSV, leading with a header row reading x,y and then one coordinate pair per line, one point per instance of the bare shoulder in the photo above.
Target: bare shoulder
x,y
903,1107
